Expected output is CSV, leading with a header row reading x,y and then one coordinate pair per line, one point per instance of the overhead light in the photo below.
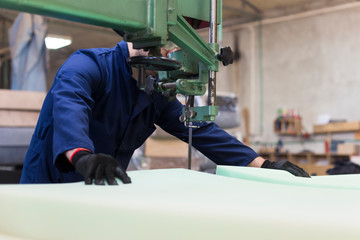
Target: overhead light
x,y
57,41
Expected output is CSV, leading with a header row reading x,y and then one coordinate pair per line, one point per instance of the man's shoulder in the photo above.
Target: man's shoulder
x,y
95,52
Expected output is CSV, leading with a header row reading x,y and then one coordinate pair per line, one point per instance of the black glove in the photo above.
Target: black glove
x,y
287,166
99,166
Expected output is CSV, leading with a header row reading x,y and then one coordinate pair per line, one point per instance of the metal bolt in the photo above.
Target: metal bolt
x,y
182,118
150,30
190,114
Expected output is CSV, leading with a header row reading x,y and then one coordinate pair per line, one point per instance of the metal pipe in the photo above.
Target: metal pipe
x,y
141,78
190,145
168,86
213,22
212,89
189,104
212,39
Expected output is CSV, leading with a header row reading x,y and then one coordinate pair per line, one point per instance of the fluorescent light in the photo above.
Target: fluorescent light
x,y
57,41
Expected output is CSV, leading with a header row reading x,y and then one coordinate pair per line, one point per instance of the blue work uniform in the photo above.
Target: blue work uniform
x,y
94,103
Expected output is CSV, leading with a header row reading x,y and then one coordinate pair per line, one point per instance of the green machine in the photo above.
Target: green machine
x,y
150,25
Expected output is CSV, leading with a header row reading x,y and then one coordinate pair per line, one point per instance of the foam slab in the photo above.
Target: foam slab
x,y
178,204
348,181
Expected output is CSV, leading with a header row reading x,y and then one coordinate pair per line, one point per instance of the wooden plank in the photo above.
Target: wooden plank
x,y
21,100
10,118
337,127
165,148
247,125
357,135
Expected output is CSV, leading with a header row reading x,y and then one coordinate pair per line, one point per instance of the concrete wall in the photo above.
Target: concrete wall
x,y
309,63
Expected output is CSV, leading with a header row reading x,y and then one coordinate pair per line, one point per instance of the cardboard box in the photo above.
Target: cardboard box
x,y
355,159
21,100
166,148
348,148
20,108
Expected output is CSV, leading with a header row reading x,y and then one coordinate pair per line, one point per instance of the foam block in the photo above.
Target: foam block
x,y
178,204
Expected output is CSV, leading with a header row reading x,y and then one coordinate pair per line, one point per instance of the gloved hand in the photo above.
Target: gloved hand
x,y
99,166
287,166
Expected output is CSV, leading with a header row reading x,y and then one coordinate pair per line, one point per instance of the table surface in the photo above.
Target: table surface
x,y
185,204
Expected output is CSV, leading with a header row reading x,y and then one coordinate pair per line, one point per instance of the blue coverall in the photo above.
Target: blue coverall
x,y
94,103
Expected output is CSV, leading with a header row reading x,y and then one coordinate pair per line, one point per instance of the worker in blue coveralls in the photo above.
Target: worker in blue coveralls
x,y
95,116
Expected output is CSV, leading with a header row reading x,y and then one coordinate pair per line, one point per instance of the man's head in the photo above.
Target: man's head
x,y
164,51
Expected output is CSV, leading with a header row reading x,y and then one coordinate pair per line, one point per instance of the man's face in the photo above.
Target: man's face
x,y
164,51
169,48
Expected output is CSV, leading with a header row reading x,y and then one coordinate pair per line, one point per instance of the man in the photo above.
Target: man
x,y
94,117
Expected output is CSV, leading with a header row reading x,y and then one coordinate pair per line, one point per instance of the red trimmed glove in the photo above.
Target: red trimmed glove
x,y
99,167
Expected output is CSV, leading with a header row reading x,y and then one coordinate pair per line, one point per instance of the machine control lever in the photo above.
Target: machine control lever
x,y
226,55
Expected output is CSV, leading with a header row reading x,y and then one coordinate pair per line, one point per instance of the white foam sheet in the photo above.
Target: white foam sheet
x,y
179,204
345,181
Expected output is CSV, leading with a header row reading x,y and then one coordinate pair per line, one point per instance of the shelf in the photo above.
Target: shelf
x,y
337,127
288,126
286,133
331,156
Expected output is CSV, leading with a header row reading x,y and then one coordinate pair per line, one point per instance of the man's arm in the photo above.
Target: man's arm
x,y
69,153
74,92
257,162
212,141
216,144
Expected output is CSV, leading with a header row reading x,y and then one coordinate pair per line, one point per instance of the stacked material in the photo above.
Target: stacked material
x,y
14,142
19,111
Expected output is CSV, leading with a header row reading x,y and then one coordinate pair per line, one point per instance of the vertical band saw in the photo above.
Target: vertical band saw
x,y
150,25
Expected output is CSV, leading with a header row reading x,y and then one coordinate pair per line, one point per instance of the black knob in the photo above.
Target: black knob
x,y
226,55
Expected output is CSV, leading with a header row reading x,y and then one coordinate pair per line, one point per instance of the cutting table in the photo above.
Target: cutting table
x,y
185,204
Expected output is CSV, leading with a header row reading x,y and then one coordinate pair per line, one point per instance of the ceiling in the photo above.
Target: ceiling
x,y
87,36
239,6
250,10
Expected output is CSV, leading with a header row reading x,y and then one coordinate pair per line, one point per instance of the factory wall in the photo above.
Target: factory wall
x,y
308,63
